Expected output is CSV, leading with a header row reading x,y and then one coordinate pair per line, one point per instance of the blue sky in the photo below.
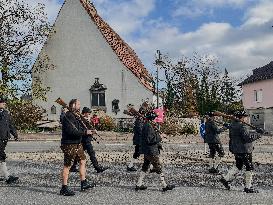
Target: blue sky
x,y
236,32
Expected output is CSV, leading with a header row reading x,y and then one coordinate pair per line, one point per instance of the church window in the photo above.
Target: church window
x,y
98,99
97,94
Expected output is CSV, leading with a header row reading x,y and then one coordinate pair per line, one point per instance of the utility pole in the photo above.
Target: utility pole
x,y
158,62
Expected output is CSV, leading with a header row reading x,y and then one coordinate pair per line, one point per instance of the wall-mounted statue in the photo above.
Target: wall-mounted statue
x,y
115,106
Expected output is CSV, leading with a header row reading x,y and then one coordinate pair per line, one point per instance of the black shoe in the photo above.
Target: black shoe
x,y
131,169
152,170
86,185
213,170
101,169
142,187
65,191
168,187
74,169
11,179
225,183
250,190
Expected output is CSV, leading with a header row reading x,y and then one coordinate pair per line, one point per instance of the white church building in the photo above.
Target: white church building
x,y
91,63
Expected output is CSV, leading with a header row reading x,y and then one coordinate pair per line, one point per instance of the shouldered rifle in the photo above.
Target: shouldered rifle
x,y
87,125
133,112
217,113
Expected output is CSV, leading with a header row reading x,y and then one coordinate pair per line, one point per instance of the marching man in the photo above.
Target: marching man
x,y
241,145
6,128
150,147
212,138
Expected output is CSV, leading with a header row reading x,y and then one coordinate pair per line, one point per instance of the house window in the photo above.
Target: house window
x,y
258,95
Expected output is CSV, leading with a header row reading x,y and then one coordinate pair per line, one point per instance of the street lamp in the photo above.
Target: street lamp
x,y
158,62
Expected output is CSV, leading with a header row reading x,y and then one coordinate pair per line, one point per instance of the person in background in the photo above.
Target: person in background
x,y
215,146
137,139
202,131
88,147
6,128
241,140
95,121
150,147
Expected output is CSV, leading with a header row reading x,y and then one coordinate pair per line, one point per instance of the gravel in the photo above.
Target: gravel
x,y
186,168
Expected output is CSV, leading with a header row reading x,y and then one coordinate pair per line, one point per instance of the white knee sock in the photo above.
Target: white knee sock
x,y
211,163
248,179
162,180
217,162
151,166
231,173
4,169
132,162
140,179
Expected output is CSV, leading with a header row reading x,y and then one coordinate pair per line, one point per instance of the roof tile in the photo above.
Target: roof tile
x,y
124,52
262,73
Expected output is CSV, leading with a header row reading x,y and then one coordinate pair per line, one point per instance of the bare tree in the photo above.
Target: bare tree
x,y
23,30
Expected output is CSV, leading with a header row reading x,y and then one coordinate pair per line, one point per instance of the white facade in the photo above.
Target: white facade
x,y
80,54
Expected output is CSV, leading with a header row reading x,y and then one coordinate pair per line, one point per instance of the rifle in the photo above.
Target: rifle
x,y
87,125
133,112
217,113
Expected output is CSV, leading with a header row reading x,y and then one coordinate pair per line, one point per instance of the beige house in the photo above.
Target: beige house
x,y
92,63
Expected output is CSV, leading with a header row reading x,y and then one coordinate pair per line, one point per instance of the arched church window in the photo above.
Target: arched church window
x,y
53,109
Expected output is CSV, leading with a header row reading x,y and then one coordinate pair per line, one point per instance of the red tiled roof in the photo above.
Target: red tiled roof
x,y
124,52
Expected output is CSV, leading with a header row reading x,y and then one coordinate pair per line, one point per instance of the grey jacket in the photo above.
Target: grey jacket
x,y
241,138
212,132
6,126
150,140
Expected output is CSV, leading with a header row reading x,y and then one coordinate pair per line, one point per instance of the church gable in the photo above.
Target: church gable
x,y
124,52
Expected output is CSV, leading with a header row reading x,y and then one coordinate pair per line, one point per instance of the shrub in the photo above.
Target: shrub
x,y
189,128
106,124
178,126
24,114
170,126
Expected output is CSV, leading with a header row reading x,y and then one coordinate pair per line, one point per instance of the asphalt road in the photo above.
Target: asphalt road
x,y
47,146
40,182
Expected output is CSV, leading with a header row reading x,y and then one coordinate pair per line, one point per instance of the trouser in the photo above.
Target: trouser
x,y
3,156
244,160
88,147
215,148
155,161
137,152
3,144
241,161
157,167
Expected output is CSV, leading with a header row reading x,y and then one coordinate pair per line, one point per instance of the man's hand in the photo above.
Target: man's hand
x,y
94,131
160,146
260,130
91,132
